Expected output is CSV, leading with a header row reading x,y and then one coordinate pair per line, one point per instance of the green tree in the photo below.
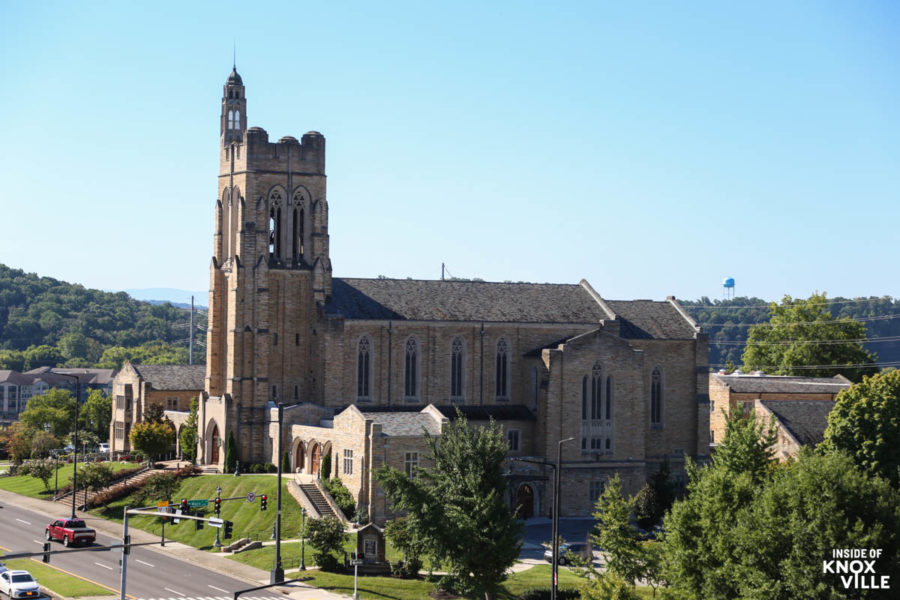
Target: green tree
x,y
43,356
655,497
402,532
748,446
458,504
616,535
325,470
865,423
326,536
52,411
42,443
41,469
13,360
18,444
154,413
188,433
96,414
160,486
95,476
801,338
230,453
153,439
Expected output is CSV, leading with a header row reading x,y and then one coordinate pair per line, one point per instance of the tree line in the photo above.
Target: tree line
x,y
46,322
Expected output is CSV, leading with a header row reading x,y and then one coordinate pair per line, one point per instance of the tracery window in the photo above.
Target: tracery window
x,y
230,119
502,370
410,389
363,361
609,397
584,399
656,398
596,392
237,119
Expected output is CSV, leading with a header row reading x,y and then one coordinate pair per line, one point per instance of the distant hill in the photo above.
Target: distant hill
x,y
46,322
179,298
728,322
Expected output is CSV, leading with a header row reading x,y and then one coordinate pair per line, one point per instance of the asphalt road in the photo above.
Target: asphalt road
x,y
150,574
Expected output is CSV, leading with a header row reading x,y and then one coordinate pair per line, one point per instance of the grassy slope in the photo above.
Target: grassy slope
x,y
33,487
248,519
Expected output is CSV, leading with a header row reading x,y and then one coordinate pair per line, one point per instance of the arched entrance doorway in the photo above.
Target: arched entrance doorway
x,y
316,459
299,458
214,442
525,501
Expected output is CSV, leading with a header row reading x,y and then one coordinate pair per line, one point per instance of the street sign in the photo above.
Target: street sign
x,y
198,503
251,496
162,505
216,522
176,519
356,562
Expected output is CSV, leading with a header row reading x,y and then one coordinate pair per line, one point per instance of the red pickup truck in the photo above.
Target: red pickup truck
x,y
70,531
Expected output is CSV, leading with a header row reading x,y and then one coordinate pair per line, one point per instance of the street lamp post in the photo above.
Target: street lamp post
x,y
277,573
74,442
555,583
303,539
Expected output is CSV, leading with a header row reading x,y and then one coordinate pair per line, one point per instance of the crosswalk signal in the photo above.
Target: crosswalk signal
x,y
263,500
185,509
227,525
218,506
46,557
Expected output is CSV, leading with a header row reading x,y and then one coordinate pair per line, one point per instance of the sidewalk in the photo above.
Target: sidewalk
x,y
212,561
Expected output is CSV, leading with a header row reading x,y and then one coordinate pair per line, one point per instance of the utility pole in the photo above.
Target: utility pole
x,y
74,442
555,583
191,337
125,551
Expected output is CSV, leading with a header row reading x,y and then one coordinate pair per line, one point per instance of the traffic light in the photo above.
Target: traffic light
x,y
263,500
46,557
185,509
126,548
227,525
218,506
198,525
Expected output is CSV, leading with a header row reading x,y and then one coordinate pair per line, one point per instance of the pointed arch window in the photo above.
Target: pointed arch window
x,y
609,398
656,398
237,119
363,370
275,226
502,370
584,398
456,370
597,392
410,388
230,119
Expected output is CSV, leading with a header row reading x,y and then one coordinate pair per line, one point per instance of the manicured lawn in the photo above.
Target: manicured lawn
x,y
370,588
27,485
539,577
57,581
249,520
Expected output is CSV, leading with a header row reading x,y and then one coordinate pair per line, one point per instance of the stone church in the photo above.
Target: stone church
x,y
365,367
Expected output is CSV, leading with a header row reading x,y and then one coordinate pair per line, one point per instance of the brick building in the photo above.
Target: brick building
x,y
136,387
365,366
799,405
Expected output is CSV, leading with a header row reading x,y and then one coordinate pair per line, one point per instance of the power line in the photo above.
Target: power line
x,y
892,338
766,305
770,324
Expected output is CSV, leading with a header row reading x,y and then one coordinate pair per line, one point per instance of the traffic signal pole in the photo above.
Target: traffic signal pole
x,y
125,552
278,572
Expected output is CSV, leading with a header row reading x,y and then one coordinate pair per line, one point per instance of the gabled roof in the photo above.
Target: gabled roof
x,y
418,300
649,319
173,377
402,423
782,384
805,419
14,377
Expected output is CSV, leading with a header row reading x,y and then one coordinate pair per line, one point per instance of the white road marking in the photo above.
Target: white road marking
x,y
102,565
21,521
173,591
143,563
218,588
38,542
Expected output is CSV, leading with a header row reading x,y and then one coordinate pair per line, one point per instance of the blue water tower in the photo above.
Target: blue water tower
x,y
728,287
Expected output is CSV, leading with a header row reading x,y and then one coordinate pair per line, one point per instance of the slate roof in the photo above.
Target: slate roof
x,y
14,377
173,377
513,412
403,423
805,419
780,384
418,300
649,319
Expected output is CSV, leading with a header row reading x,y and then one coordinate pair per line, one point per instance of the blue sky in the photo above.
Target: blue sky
x,y
651,148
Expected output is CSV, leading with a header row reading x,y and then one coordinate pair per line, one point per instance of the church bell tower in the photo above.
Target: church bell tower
x,y
269,271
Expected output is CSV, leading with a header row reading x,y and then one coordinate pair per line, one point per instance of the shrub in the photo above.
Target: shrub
x,y
341,496
408,569
326,536
544,594
230,453
326,467
114,493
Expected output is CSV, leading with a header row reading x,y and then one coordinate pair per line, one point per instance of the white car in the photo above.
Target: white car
x,y
19,584
104,448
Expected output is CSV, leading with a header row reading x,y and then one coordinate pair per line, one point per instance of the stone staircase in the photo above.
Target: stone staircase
x,y
318,500
84,496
